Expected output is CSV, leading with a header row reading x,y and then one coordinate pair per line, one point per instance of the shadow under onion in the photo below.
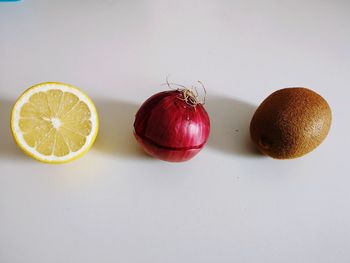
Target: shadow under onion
x,y
116,129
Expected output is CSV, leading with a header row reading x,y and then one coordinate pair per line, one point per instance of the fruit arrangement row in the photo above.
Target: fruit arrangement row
x,y
57,123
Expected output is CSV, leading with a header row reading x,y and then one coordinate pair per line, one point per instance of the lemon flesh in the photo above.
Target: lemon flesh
x,y
54,122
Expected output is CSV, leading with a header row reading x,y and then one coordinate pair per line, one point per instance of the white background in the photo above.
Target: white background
x,y
228,204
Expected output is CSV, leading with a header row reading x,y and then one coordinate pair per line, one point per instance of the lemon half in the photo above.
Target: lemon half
x,y
54,122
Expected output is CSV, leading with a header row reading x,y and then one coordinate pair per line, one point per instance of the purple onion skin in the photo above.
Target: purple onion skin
x,y
170,129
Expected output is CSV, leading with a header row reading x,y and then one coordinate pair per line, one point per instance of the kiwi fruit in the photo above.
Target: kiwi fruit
x,y
290,123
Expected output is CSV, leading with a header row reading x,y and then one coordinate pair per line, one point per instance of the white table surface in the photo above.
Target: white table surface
x,y
228,204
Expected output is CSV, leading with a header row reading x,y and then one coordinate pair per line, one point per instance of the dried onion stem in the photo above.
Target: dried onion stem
x,y
189,95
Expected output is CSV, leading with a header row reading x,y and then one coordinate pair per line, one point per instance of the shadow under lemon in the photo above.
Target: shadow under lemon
x,y
116,129
8,147
230,119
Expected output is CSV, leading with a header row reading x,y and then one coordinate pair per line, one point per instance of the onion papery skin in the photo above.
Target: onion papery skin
x,y
169,128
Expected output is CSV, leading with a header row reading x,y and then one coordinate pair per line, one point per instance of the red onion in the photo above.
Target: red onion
x,y
172,125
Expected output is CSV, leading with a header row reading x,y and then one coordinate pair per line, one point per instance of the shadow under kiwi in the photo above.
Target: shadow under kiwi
x,y
230,119
116,129
8,147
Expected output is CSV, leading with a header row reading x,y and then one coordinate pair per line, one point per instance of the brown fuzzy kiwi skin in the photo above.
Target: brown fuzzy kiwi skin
x,y
290,123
